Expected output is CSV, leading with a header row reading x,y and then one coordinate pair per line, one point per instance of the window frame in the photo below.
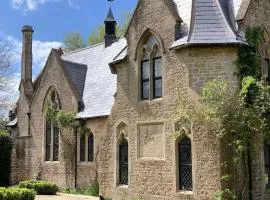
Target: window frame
x,y
156,78
145,80
87,158
51,156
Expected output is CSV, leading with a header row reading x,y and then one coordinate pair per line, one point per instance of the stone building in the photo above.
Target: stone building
x,y
125,90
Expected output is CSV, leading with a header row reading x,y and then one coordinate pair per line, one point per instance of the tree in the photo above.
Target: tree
x,y
6,60
73,41
97,35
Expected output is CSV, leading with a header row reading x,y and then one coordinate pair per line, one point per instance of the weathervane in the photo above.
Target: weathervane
x,y
110,2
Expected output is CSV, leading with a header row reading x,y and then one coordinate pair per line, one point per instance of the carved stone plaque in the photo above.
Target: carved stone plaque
x,y
151,140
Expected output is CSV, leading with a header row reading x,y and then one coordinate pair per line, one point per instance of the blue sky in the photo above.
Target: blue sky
x,y
51,20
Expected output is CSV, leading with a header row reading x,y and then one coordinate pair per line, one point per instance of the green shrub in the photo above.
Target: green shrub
x,y
92,190
17,194
41,187
5,159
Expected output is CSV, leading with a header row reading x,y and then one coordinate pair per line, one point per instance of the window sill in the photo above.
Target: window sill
x,y
122,186
85,163
150,101
185,192
51,162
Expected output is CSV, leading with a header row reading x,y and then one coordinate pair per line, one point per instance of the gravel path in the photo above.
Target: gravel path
x,y
61,196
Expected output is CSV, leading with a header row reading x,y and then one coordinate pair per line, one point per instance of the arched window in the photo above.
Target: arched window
x,y
151,70
91,147
86,147
52,132
123,162
82,148
185,164
267,164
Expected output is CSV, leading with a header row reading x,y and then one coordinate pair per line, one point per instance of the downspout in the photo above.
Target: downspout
x,y
76,150
250,189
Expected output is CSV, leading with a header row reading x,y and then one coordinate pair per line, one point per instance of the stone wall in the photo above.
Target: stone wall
x,y
153,175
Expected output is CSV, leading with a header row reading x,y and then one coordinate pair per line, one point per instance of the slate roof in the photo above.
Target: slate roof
x,y
210,22
12,123
77,74
110,17
204,22
100,83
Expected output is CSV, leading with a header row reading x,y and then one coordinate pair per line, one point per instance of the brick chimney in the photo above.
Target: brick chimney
x,y
27,60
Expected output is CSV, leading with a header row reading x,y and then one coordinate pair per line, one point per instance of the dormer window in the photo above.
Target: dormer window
x,y
151,70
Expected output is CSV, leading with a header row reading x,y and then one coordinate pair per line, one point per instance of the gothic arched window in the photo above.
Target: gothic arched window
x,y
185,164
267,164
123,162
87,148
151,70
52,131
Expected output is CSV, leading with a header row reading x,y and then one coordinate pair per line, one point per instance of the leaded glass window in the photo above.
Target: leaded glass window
x,y
267,67
185,164
82,148
267,164
123,162
91,147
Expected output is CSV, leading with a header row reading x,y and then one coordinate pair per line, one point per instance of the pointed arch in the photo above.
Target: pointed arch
x,y
148,33
51,97
51,129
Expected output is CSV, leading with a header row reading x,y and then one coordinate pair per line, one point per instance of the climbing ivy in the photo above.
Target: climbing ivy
x,y
234,117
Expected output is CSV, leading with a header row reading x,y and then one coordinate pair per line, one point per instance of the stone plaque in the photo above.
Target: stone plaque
x,y
151,141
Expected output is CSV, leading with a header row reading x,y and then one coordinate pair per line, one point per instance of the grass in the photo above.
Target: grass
x,y
91,190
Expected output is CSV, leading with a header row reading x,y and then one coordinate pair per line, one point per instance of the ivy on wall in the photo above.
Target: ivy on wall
x,y
234,117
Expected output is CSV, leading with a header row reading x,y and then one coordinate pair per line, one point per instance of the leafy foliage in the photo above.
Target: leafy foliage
x,y
5,159
17,194
41,187
249,59
73,41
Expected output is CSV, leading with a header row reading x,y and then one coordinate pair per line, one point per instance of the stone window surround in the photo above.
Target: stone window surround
x,y
122,126
50,91
86,162
157,50
176,161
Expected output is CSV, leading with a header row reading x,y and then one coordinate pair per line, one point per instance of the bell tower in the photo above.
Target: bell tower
x,y
110,28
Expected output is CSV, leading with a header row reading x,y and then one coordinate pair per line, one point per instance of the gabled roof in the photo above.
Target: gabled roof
x,y
100,83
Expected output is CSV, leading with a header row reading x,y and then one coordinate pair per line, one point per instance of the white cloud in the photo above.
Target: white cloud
x,y
41,51
31,5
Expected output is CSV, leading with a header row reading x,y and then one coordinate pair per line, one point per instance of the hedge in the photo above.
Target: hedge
x,y
5,159
41,187
17,194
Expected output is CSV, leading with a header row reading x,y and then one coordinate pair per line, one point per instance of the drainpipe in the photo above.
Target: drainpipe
x,y
250,173
76,150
